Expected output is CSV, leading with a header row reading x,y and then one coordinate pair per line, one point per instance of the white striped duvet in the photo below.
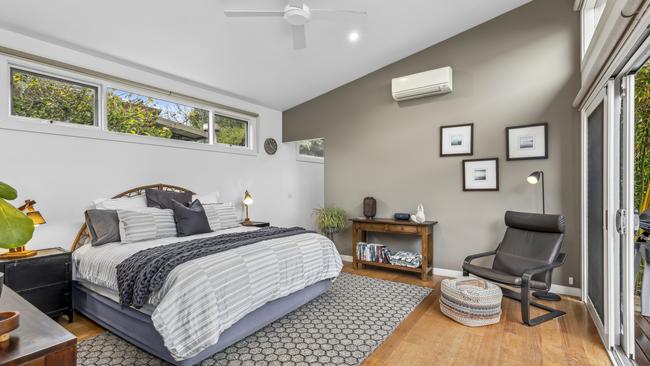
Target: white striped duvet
x,y
204,297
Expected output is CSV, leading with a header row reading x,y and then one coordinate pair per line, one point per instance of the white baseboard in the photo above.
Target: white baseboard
x,y
558,289
447,272
566,290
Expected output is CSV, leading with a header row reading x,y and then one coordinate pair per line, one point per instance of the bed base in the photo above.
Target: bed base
x,y
136,327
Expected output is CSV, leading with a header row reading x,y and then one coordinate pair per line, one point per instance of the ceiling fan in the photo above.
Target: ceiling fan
x,y
297,14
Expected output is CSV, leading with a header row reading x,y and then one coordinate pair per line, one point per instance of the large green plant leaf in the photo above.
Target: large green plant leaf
x,y
7,192
16,228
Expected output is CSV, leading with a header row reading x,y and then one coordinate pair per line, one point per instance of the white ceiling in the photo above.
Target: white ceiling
x,y
250,58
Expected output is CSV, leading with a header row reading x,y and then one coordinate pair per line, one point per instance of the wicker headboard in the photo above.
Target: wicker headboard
x,y
83,237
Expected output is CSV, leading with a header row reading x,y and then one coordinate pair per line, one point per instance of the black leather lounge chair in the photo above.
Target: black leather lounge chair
x,y
525,259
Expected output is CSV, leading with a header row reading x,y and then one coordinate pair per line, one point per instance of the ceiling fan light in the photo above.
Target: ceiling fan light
x,y
354,36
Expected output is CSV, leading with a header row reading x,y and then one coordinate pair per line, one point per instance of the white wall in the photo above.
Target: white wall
x,y
64,173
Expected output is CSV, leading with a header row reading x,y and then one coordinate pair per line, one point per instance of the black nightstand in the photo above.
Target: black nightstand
x,y
45,280
258,224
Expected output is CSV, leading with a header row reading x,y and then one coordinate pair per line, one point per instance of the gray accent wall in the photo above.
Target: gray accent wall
x,y
520,68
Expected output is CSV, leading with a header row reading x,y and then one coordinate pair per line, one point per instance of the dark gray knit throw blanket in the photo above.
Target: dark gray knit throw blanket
x,y
145,272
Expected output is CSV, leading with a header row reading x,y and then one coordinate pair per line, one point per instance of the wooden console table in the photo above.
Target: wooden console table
x,y
361,227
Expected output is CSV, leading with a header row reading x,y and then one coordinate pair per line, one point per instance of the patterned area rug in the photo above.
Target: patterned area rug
x,y
341,327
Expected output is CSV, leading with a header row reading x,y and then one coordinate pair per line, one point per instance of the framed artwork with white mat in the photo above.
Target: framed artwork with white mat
x,y
457,140
527,142
481,174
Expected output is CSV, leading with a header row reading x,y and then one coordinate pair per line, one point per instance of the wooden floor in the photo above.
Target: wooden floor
x,y
427,337
642,339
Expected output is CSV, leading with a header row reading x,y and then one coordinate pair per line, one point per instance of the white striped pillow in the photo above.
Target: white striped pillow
x,y
226,213
213,216
146,224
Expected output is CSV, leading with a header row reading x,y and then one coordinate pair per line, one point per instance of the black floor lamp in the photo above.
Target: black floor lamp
x,y
534,178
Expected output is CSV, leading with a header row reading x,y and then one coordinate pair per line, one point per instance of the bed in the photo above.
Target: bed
x,y
208,303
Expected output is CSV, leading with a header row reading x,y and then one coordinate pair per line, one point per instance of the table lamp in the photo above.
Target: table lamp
x,y
37,218
248,200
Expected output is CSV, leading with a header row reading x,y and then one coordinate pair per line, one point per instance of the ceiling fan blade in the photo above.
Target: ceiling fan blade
x,y
339,15
339,11
299,37
254,13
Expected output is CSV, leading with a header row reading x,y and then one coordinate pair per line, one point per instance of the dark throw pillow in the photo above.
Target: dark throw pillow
x,y
190,220
103,225
163,199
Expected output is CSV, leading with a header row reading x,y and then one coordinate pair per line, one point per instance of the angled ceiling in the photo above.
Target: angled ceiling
x,y
251,58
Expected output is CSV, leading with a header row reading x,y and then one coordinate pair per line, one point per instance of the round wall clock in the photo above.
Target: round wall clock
x,y
270,146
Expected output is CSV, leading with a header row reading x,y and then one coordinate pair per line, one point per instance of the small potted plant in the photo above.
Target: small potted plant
x,y
331,220
16,229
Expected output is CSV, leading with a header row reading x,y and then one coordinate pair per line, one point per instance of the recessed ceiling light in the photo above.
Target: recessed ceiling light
x,y
353,36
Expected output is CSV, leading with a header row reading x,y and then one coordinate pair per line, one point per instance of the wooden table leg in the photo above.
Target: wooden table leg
x,y
431,245
424,237
355,234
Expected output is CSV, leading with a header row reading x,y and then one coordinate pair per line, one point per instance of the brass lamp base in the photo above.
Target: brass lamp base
x,y
247,222
19,252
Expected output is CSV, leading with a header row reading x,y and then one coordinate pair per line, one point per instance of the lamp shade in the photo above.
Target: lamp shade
x,y
36,217
534,177
248,199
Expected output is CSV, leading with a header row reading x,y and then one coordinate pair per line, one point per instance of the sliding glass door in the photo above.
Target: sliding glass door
x,y
594,215
625,220
608,215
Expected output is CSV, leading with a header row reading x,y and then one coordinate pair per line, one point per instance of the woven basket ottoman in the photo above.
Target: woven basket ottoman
x,y
471,301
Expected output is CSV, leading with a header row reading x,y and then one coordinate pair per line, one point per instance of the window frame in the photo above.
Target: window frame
x,y
308,158
149,94
100,130
591,12
249,128
45,71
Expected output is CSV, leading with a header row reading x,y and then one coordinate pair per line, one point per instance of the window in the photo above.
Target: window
x,y
590,15
312,150
133,113
230,131
137,114
50,98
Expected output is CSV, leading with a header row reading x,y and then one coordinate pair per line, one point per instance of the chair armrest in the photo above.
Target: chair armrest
x,y
529,273
470,258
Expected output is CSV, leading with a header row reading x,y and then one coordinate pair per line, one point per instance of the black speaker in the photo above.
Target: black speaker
x,y
402,216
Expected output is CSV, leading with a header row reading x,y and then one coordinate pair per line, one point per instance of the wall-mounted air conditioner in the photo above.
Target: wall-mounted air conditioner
x,y
424,84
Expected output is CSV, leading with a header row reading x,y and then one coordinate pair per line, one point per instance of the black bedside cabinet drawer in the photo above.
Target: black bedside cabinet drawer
x,y
49,299
29,274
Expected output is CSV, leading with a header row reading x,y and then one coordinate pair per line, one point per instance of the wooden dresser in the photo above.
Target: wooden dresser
x,y
361,226
39,340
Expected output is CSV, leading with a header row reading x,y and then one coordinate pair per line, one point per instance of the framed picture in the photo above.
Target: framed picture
x,y
481,174
527,142
457,140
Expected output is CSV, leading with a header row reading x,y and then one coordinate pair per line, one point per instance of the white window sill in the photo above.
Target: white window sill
x,y
91,132
310,159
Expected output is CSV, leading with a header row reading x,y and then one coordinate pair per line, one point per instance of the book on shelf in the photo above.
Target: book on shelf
x,y
372,252
379,253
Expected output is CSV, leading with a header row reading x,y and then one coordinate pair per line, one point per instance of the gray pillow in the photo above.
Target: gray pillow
x,y
163,199
103,225
190,220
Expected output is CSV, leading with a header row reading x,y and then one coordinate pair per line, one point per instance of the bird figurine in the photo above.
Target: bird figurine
x,y
419,215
